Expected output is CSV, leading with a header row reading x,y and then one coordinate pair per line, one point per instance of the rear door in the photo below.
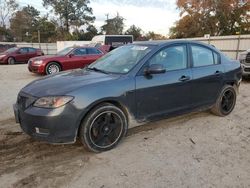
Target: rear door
x,y
166,93
93,55
207,73
32,53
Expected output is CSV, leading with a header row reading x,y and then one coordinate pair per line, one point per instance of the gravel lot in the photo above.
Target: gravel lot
x,y
194,150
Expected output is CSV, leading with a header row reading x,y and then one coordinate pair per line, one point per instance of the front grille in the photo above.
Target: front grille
x,y
24,100
248,58
247,69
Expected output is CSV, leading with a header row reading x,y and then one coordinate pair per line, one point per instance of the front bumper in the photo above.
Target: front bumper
x,y
51,125
36,69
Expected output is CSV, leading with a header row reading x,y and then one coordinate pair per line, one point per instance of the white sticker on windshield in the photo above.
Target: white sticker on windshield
x,y
139,48
125,70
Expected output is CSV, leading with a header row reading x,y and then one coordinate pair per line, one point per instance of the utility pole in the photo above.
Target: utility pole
x,y
39,38
107,16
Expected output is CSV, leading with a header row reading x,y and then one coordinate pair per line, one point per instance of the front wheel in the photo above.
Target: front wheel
x,y
11,61
103,128
52,68
226,101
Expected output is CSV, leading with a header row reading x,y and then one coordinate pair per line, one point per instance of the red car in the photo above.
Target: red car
x,y
69,58
16,55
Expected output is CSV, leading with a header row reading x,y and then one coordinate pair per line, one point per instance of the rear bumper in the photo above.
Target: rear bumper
x,y
50,125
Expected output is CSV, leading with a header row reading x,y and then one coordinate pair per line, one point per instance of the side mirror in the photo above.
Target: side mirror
x,y
18,52
155,69
71,55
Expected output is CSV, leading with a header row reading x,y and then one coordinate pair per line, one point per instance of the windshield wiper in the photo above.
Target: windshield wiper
x,y
97,70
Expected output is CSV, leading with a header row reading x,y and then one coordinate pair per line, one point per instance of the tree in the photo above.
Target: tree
x,y
224,17
135,31
154,36
47,29
20,28
28,30
7,8
113,26
91,31
5,34
74,13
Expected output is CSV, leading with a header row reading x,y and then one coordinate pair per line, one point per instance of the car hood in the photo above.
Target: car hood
x,y
65,82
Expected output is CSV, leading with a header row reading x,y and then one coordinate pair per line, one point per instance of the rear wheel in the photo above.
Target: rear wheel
x,y
225,102
103,128
11,61
53,68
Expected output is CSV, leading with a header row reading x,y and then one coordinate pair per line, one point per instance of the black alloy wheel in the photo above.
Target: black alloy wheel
x,y
103,128
226,101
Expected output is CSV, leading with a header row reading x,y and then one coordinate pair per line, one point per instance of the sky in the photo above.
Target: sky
x,y
149,15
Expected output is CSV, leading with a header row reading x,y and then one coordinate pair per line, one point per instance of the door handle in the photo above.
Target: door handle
x,y
184,78
218,72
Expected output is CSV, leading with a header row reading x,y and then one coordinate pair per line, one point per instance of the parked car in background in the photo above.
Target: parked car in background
x,y
245,62
19,55
132,84
68,58
110,42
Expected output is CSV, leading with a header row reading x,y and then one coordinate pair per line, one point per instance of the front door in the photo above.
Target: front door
x,y
22,55
166,93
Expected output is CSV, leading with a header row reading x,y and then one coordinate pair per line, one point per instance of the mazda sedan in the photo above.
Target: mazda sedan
x,y
131,85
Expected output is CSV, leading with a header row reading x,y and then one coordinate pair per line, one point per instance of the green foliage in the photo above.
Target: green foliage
x,y
7,8
74,13
113,26
224,17
31,22
135,31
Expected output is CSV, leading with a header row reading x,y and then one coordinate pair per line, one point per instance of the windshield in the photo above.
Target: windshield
x,y
65,51
121,60
11,50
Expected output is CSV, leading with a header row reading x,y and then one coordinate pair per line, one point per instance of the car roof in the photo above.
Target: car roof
x,y
164,42
174,41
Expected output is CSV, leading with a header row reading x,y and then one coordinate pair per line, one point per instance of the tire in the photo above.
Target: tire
x,y
11,61
226,101
103,128
52,68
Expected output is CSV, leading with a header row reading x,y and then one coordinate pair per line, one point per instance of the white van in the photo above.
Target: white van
x,y
112,40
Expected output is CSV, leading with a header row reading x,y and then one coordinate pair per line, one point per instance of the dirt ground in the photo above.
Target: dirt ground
x,y
195,150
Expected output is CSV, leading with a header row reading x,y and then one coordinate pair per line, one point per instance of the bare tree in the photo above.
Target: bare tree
x,y
7,8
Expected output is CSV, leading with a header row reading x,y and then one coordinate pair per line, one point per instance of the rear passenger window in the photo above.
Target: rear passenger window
x,y
202,56
172,58
32,50
80,52
93,51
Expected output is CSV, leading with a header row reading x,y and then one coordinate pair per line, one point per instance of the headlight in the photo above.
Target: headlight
x,y
242,56
38,62
1,56
53,101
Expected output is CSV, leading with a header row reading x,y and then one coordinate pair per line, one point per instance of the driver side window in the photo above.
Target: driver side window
x,y
172,58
